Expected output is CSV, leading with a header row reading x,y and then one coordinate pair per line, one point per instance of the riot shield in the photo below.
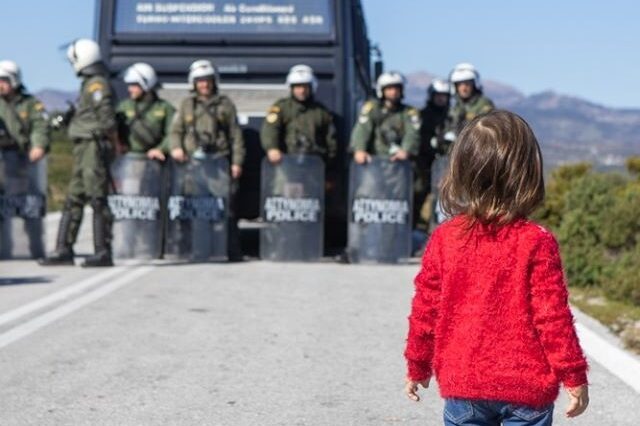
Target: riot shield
x,y
197,209
292,207
137,219
23,203
380,209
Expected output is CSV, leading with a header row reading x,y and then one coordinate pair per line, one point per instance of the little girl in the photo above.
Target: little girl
x,y
490,317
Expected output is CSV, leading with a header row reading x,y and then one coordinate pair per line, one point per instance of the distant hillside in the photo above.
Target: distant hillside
x,y
55,100
568,128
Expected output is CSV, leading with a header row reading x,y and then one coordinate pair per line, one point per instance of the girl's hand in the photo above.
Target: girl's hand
x,y
578,400
411,388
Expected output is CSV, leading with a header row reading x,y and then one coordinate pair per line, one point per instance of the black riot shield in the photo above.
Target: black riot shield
x,y
380,208
23,202
137,225
292,207
198,209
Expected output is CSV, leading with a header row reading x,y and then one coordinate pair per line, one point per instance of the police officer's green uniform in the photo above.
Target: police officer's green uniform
x,y
296,127
24,125
211,125
466,110
91,130
434,121
145,123
382,131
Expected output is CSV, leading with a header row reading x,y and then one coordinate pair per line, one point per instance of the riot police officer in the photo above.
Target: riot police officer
x,y
144,119
470,100
434,120
386,127
92,128
207,122
24,129
23,119
298,124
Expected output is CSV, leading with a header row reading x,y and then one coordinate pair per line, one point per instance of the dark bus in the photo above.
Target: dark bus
x,y
252,43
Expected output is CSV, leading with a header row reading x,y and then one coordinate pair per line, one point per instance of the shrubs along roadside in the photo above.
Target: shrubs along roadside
x,y
596,217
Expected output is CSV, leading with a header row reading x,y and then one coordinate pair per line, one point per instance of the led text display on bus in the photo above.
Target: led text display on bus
x,y
247,17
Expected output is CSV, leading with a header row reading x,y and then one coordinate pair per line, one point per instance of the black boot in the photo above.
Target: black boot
x,y
98,260
101,236
63,254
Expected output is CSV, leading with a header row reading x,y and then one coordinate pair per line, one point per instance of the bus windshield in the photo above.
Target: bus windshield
x,y
224,18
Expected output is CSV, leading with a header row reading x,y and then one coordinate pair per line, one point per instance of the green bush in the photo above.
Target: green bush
x,y
562,180
624,278
60,163
621,229
580,232
633,166
596,217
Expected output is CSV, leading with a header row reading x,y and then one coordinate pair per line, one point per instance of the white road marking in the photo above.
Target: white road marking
x,y
29,327
617,361
58,296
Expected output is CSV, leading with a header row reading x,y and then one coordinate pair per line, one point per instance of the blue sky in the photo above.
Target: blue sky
x,y
585,48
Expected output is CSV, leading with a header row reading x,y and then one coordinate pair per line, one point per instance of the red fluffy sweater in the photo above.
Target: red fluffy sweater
x,y
490,315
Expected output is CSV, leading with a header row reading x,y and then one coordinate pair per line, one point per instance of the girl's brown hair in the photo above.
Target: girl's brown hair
x,y
495,170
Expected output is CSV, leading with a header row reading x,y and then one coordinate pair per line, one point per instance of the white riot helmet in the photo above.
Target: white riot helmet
x,y
302,74
141,74
83,53
386,79
439,86
464,72
11,71
200,69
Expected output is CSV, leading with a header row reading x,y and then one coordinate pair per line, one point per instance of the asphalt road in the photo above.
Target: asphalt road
x,y
255,343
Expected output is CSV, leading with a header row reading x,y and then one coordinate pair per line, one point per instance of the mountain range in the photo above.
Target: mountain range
x,y
569,129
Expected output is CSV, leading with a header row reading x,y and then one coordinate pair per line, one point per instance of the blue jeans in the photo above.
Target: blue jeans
x,y
465,412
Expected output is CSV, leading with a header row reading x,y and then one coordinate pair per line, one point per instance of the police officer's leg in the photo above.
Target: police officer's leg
x,y
71,217
234,250
102,221
95,177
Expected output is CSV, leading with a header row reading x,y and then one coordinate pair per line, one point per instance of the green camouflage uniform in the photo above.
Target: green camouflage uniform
x,y
381,131
23,123
92,122
210,125
145,123
296,127
465,111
